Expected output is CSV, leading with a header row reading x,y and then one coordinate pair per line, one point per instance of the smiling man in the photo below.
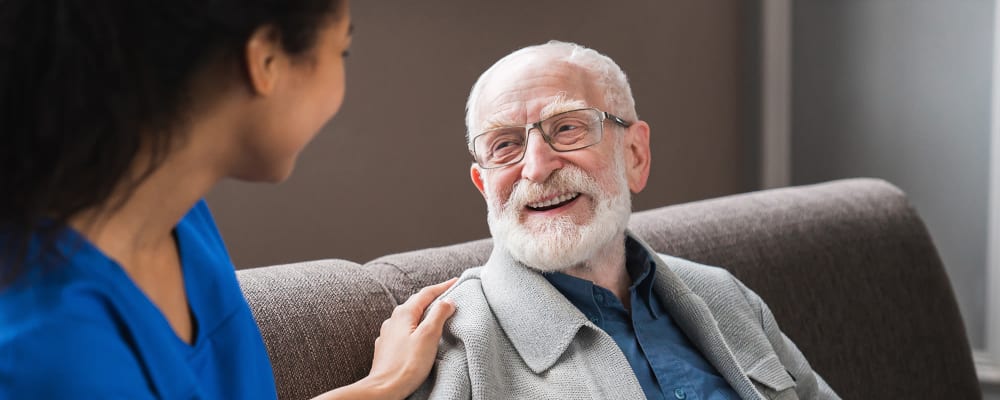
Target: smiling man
x,y
571,304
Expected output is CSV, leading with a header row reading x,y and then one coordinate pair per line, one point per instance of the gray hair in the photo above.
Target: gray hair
x,y
617,92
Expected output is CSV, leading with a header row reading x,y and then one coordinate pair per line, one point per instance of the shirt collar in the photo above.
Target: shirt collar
x,y
641,269
541,323
539,320
578,291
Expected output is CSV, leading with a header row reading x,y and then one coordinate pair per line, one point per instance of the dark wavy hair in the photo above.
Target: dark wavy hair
x,y
86,84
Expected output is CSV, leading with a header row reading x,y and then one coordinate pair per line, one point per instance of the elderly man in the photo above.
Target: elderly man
x,y
571,304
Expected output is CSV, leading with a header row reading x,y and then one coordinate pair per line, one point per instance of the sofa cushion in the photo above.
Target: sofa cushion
x,y
319,320
847,268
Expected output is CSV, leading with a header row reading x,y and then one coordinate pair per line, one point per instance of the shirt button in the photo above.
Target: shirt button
x,y
599,297
679,393
594,319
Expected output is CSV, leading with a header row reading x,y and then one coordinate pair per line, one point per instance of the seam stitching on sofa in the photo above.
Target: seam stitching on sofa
x,y
402,272
367,274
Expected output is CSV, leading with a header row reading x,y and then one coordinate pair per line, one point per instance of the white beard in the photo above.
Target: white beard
x,y
559,243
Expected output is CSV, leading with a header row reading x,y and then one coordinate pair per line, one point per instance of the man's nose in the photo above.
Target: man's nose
x,y
540,160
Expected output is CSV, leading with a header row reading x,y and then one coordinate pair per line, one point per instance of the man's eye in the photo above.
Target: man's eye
x,y
566,127
569,130
507,144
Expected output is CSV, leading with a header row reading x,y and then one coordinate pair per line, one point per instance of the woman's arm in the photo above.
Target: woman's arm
x,y
405,349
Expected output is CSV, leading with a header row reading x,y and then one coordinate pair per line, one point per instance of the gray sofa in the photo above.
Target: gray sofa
x,y
847,267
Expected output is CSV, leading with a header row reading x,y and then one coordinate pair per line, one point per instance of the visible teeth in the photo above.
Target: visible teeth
x,y
556,200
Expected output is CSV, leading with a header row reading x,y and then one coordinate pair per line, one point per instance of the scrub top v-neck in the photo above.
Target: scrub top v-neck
x,y
79,327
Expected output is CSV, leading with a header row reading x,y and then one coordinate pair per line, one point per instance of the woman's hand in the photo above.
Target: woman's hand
x,y
405,349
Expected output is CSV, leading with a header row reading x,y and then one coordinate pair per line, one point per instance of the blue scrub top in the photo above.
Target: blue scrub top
x,y
81,328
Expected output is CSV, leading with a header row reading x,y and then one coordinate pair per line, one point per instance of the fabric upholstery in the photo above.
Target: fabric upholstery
x,y
319,320
847,268
849,272
405,273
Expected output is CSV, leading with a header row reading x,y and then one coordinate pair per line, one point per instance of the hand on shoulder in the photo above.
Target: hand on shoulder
x,y
405,348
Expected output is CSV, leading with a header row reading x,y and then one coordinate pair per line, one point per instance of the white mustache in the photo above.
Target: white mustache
x,y
559,242
569,179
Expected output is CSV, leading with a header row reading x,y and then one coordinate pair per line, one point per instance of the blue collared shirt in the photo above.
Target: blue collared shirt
x,y
665,362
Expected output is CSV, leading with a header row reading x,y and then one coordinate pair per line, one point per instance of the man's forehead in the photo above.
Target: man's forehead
x,y
528,92
517,114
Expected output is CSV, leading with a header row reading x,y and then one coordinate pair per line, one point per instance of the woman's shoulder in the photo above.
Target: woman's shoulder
x,y
62,341
50,299
69,359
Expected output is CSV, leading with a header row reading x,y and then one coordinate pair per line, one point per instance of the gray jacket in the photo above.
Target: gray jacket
x,y
514,336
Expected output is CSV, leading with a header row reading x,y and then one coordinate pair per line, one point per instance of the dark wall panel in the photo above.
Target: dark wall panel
x,y
390,172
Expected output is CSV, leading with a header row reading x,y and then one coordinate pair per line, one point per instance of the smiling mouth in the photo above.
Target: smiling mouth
x,y
553,203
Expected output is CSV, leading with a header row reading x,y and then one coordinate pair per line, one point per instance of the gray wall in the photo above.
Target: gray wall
x,y
900,89
390,172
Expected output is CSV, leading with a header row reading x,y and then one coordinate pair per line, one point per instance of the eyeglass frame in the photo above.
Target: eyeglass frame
x,y
605,116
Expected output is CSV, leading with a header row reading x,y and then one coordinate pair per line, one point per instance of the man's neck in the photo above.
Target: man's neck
x,y
607,269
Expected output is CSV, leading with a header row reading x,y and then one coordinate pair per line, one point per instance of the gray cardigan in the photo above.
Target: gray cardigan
x,y
514,336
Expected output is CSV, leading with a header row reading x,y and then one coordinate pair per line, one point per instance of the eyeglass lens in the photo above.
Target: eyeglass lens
x,y
566,131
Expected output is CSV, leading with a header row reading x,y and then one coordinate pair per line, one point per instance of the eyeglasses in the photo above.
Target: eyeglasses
x,y
566,131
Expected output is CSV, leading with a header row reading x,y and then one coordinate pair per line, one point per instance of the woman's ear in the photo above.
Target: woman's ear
x,y
265,60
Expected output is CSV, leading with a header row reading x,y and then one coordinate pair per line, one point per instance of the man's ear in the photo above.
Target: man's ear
x,y
477,179
264,58
637,156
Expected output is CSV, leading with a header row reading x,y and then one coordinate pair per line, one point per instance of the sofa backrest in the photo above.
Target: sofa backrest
x,y
319,320
847,268
851,275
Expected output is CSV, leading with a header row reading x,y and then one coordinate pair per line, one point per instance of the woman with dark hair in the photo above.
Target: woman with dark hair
x,y
116,118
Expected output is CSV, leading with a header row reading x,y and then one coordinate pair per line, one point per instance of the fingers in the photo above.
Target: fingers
x,y
414,306
425,296
439,288
436,317
410,312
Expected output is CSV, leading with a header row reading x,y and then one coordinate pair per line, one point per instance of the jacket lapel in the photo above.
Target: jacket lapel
x,y
541,323
537,319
